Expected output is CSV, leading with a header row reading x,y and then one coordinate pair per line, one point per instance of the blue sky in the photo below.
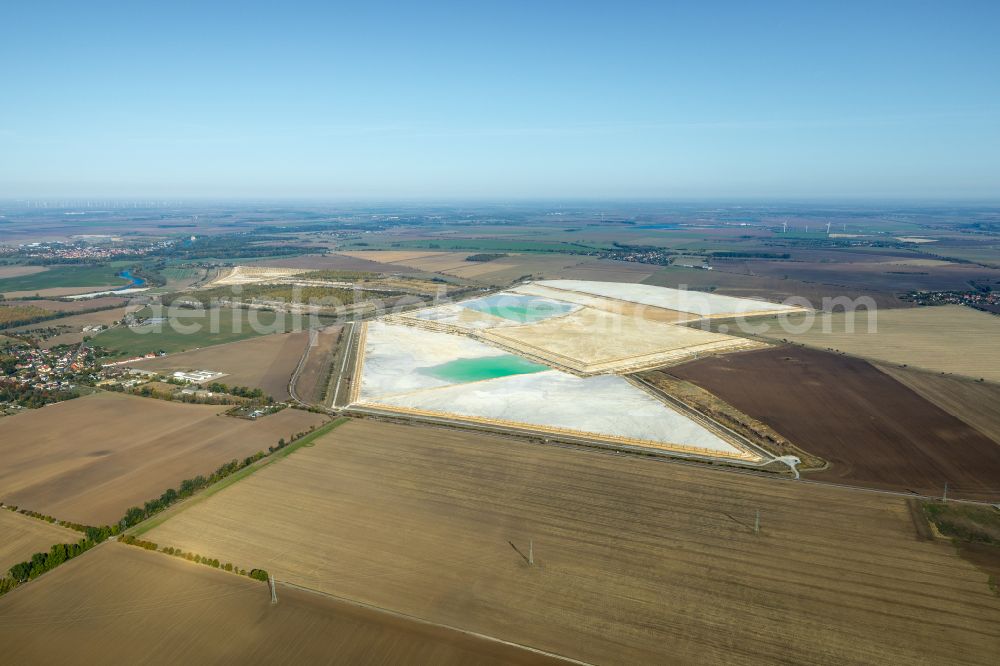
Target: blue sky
x,y
501,100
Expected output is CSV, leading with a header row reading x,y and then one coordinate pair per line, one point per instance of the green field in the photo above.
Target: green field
x,y
67,276
213,327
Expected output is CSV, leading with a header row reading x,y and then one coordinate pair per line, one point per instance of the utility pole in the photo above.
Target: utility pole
x,y
531,552
756,523
944,498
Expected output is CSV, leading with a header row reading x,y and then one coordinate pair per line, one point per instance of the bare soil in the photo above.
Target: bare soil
x,y
874,431
977,403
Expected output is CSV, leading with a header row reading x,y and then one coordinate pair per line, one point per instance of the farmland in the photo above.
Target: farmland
x,y
213,326
507,269
630,555
873,430
77,305
11,315
69,330
976,403
157,609
952,338
19,271
311,383
888,274
23,536
64,276
92,458
488,244
266,362
767,287
335,262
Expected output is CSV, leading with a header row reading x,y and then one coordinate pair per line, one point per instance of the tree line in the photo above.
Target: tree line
x,y
59,553
41,562
257,574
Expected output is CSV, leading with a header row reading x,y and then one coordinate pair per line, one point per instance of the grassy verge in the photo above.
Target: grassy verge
x,y
974,530
163,516
965,522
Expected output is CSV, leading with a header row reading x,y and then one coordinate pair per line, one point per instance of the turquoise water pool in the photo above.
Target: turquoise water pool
x,y
488,367
523,309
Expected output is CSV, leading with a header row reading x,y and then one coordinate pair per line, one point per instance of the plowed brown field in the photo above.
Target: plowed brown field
x,y
874,431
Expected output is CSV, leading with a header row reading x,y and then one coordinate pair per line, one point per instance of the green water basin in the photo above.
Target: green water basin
x,y
520,308
463,370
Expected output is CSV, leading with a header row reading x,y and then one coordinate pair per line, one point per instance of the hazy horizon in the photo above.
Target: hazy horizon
x,y
782,101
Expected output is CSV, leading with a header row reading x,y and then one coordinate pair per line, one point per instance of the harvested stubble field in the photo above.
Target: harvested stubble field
x,y
886,274
154,608
608,270
311,382
18,271
22,536
266,362
949,338
430,262
507,269
335,262
57,292
636,561
553,266
750,285
88,460
976,403
873,430
11,313
77,305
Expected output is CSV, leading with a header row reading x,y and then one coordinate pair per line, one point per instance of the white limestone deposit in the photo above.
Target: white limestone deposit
x,y
605,405
394,353
695,302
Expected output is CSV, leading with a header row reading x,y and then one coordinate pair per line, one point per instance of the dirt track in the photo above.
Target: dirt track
x,y
874,431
